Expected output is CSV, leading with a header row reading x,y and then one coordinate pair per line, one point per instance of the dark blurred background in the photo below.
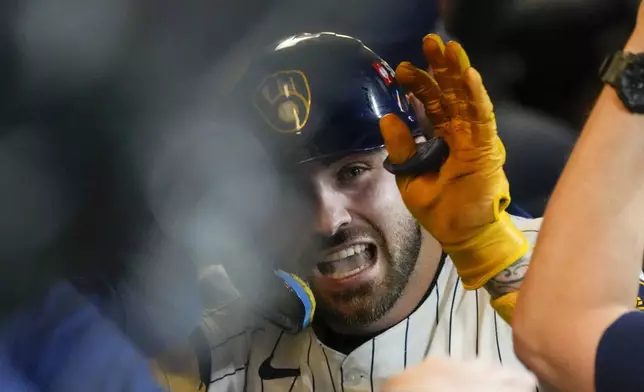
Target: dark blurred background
x,y
114,167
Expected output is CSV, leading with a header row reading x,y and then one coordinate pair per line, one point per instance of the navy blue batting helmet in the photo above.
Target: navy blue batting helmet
x,y
321,96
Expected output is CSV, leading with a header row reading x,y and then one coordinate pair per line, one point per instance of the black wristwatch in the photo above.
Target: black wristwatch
x,y
625,72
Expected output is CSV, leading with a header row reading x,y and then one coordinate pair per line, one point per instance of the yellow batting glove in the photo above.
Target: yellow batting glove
x,y
504,305
184,378
462,206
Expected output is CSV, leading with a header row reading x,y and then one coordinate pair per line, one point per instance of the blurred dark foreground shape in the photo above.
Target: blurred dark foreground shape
x,y
115,187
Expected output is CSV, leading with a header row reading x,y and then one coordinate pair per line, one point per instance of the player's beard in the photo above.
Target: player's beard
x,y
369,302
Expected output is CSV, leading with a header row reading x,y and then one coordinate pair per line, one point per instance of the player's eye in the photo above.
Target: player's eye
x,y
351,172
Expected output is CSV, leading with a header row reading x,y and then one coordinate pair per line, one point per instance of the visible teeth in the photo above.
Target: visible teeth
x,y
340,275
345,262
346,252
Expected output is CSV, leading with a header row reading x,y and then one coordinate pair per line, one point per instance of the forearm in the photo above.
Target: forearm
x,y
585,266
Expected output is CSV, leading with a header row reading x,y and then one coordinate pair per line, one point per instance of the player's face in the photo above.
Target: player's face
x,y
368,242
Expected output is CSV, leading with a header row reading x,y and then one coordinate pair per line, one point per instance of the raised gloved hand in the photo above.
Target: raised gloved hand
x,y
463,205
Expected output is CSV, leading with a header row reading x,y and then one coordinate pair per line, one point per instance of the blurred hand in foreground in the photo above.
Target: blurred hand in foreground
x,y
448,375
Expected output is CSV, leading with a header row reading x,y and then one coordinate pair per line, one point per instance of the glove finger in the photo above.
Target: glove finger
x,y
434,52
480,108
456,98
427,91
444,70
398,140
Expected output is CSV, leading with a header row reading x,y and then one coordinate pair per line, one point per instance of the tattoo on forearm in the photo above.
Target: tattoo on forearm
x,y
509,280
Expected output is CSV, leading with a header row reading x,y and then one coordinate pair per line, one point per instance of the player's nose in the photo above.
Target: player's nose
x,y
332,212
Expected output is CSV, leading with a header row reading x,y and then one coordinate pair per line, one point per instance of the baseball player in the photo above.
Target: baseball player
x,y
396,279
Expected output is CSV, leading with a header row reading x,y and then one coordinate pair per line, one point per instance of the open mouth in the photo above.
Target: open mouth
x,y
347,261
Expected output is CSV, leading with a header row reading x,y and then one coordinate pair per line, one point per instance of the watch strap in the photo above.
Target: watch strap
x,y
613,67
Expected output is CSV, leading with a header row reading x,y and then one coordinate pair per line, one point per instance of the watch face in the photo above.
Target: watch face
x,y
632,84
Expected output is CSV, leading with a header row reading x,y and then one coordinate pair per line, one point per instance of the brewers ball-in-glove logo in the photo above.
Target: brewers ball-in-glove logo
x,y
284,100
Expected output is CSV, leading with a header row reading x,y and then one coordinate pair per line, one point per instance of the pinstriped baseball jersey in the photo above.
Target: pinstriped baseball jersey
x,y
450,321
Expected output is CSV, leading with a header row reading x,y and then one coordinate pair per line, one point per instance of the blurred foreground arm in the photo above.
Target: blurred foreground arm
x,y
63,343
574,325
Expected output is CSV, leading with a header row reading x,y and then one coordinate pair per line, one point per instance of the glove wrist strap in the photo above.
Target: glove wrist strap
x,y
483,257
504,305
